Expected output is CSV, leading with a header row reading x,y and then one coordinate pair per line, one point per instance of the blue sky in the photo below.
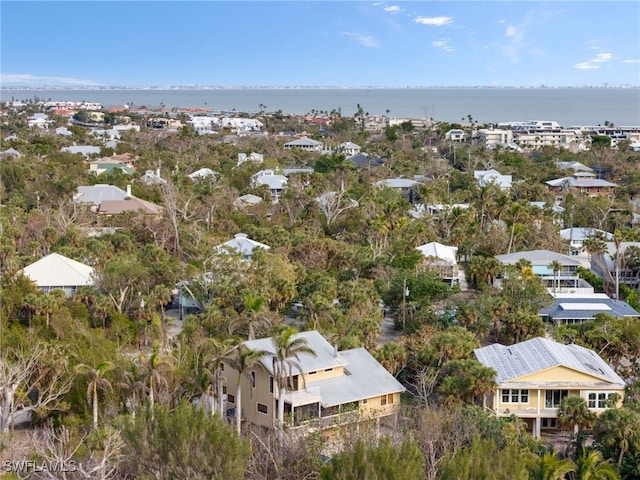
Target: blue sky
x,y
319,43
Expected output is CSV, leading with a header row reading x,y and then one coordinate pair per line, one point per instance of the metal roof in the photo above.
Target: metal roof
x,y
95,194
242,244
586,308
578,234
56,270
323,359
438,250
364,376
524,358
538,257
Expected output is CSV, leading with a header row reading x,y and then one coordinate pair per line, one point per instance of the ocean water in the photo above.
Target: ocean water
x,y
567,106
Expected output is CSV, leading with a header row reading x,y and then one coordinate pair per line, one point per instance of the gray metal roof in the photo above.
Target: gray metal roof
x,y
242,244
578,234
585,308
538,257
96,194
324,352
365,378
524,358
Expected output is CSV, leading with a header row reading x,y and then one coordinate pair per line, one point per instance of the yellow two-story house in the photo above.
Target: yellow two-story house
x,y
333,388
534,376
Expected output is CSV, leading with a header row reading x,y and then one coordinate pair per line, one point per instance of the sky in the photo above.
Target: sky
x,y
319,43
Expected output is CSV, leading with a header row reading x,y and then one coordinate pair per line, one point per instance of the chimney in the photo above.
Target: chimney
x,y
158,172
335,351
128,190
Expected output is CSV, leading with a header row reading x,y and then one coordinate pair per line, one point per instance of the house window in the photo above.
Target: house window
x,y
364,400
390,398
383,400
253,379
549,423
328,369
515,396
231,398
552,398
599,400
224,389
270,384
313,373
262,408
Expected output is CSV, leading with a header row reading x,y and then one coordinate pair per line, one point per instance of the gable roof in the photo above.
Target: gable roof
x,y
524,358
242,244
96,194
129,204
396,183
538,257
364,376
438,250
579,234
57,270
572,308
366,160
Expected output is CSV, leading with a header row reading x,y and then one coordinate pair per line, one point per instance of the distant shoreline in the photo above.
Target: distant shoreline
x,y
325,87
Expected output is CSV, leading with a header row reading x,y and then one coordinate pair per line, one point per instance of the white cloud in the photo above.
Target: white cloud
x,y
586,66
27,79
393,9
443,43
434,21
364,40
631,61
595,62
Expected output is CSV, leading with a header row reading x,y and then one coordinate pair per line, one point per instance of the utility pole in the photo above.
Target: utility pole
x,y
405,294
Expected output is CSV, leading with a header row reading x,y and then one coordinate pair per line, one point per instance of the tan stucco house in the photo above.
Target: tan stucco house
x,y
339,387
534,376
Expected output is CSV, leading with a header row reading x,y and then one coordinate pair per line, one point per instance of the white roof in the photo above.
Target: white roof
x,y
438,250
396,183
243,245
304,141
537,354
203,172
538,257
248,199
579,234
56,270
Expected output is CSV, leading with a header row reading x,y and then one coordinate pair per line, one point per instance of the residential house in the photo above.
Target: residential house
x,y
304,143
56,271
247,200
575,166
202,174
541,261
405,186
331,388
627,270
366,160
577,236
39,120
455,135
581,182
442,259
10,153
129,204
274,182
63,132
349,149
85,150
252,157
109,165
241,244
94,195
203,125
485,177
545,138
152,178
578,309
534,376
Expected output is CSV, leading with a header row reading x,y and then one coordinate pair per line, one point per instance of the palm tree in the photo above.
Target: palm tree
x,y
96,380
556,266
590,465
216,351
241,362
155,369
288,349
573,412
549,467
